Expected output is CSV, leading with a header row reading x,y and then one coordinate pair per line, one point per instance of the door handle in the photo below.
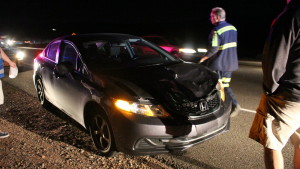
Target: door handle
x,y
55,74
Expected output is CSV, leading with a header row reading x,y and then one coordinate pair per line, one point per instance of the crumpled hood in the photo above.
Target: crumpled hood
x,y
173,84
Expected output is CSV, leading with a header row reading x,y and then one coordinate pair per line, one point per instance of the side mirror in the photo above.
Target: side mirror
x,y
64,68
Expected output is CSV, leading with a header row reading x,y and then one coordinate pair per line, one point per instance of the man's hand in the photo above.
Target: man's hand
x,y
12,64
203,59
6,59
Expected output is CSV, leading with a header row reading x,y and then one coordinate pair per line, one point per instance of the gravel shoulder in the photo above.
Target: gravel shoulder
x,y
41,138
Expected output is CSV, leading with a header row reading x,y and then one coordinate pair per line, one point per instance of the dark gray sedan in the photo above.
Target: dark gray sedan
x,y
131,95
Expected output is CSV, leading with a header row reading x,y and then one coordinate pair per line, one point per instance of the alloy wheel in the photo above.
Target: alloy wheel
x,y
40,91
101,135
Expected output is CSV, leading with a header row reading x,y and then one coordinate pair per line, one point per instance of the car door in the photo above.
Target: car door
x,y
69,88
47,66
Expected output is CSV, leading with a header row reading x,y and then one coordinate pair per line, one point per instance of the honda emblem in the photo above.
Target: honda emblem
x,y
203,106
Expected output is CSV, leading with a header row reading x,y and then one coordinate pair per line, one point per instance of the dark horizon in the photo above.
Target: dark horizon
x,y
184,22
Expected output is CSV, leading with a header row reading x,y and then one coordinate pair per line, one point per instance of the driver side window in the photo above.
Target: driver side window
x,y
69,54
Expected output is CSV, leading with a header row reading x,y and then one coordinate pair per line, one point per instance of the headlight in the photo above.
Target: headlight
x,y
142,109
20,55
187,50
221,90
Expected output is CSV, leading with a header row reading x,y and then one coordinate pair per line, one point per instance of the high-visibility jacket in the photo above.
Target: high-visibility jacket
x,y
222,50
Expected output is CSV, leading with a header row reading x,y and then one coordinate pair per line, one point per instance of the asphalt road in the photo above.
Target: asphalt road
x,y
232,149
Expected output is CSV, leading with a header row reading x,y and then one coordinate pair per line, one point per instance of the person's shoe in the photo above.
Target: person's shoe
x,y
235,110
3,135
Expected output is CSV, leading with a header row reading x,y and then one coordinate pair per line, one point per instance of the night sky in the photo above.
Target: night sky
x,y
183,22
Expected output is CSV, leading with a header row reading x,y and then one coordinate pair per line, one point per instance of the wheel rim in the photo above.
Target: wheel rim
x,y
101,134
40,91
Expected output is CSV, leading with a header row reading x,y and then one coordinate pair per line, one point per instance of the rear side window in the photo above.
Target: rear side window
x,y
52,51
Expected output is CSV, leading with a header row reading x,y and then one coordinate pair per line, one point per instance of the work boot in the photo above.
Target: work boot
x,y
235,110
3,135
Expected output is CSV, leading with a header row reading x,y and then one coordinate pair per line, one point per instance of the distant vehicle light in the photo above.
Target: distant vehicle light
x,y
169,49
202,50
20,55
187,50
27,41
10,42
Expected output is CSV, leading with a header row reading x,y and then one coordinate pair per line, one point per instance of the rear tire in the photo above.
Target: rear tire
x,y
101,134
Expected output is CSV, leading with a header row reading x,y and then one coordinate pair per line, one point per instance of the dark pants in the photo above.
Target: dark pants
x,y
225,77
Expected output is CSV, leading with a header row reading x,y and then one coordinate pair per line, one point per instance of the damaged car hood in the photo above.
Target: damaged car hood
x,y
166,83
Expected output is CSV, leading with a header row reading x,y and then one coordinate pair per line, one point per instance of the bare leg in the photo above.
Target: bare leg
x,y
297,158
273,159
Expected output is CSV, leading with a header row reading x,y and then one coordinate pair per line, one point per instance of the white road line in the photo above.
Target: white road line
x,y
31,48
247,110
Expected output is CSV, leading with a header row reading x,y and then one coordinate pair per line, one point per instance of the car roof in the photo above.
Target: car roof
x,y
97,36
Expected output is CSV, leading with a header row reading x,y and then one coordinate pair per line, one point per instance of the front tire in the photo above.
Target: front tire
x,y
101,134
41,93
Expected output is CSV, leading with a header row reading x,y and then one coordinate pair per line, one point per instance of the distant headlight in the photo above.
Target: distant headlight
x,y
10,42
187,50
142,109
202,50
20,55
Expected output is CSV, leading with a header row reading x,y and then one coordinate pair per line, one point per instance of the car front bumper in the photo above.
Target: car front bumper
x,y
137,135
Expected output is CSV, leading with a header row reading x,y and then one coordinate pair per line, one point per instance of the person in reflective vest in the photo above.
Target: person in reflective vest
x,y
221,55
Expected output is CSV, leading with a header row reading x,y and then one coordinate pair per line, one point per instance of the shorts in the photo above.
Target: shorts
x,y
1,94
276,121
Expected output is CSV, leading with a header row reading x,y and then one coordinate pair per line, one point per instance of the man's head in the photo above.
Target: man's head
x,y
217,15
288,1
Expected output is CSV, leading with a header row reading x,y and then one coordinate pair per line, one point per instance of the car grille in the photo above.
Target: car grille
x,y
200,107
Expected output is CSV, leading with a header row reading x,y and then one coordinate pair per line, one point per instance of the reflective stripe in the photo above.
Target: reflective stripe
x,y
226,28
214,42
226,85
228,45
226,80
